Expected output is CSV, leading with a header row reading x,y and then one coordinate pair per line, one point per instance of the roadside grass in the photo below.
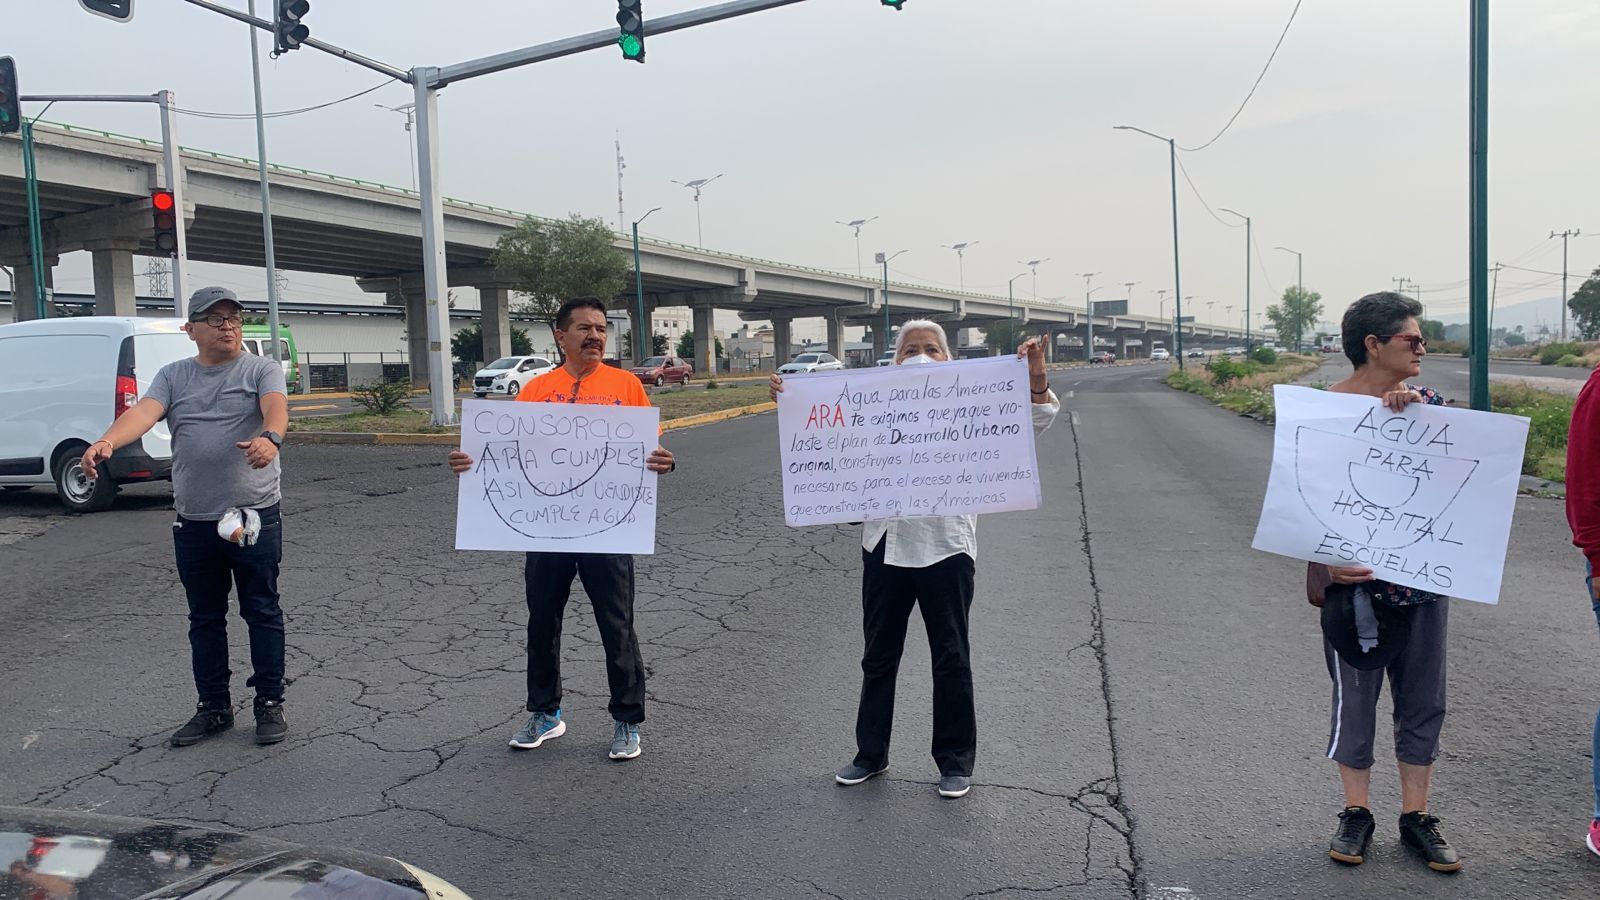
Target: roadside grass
x,y
675,403
1243,387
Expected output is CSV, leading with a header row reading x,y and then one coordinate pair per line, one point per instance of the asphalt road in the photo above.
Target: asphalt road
x,y
306,405
1449,375
1152,697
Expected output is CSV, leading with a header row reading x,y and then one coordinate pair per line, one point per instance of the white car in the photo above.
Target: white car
x,y
508,374
886,360
62,383
1160,353
810,362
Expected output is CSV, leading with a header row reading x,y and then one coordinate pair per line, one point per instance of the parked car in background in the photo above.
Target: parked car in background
x,y
1328,348
659,370
508,374
257,339
886,360
810,362
55,854
1160,353
62,383
1195,353
1102,356
1234,351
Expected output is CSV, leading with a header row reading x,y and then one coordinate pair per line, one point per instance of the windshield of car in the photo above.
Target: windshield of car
x,y
654,361
806,358
505,362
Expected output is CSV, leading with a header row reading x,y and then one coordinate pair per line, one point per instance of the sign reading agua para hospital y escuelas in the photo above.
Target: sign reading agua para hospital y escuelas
x,y
558,477
1422,497
941,439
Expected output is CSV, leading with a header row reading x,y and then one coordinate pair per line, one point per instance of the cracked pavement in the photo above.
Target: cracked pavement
x,y
407,661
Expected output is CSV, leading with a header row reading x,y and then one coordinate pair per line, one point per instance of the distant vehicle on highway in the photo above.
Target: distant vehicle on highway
x,y
1328,348
1102,356
659,370
62,383
508,374
1160,353
1196,353
810,362
1234,351
257,339
48,853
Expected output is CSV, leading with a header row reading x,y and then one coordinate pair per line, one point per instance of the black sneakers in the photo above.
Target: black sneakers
x,y
1420,832
207,721
1350,842
270,726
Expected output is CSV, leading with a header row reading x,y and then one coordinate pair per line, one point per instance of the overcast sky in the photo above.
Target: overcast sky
x,y
953,120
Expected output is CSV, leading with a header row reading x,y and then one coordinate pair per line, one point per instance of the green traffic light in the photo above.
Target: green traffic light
x,y
632,47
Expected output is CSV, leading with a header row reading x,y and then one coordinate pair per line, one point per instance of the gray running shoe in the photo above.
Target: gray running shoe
x,y
540,728
624,740
854,774
953,786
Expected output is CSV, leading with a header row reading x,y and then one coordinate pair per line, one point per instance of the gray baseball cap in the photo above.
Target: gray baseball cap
x,y
207,297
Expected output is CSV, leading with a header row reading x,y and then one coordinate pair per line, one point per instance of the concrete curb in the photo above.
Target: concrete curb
x,y
454,440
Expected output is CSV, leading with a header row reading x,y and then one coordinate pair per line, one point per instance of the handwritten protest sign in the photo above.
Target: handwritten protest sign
x,y
561,477
942,439
1423,498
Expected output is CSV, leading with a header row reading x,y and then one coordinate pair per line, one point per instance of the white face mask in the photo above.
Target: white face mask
x,y
917,360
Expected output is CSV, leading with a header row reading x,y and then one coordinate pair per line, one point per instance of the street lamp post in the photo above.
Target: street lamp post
x,y
1011,307
856,224
1247,245
1300,287
961,259
1033,264
1177,282
883,260
1088,310
409,110
697,185
638,292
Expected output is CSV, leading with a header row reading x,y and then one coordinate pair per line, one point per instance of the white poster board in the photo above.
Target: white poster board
x,y
941,439
1424,498
562,477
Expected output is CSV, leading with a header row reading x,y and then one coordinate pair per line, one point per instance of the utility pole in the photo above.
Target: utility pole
x,y
621,217
1088,309
1248,243
1565,236
266,197
856,224
1478,194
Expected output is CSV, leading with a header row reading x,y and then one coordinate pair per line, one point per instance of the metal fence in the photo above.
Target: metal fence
x,y
338,372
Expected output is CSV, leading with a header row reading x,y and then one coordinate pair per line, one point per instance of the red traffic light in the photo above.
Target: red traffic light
x,y
161,200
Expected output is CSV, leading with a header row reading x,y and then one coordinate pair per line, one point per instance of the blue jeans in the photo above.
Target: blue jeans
x,y
209,565
1595,750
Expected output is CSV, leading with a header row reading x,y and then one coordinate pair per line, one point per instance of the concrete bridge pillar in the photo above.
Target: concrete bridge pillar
x,y
24,306
705,342
880,342
495,302
416,304
1123,350
782,345
114,293
835,337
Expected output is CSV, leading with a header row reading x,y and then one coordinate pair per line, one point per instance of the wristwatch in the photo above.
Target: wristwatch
x,y
274,437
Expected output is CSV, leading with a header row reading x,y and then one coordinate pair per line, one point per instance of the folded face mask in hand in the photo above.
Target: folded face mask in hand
x,y
240,526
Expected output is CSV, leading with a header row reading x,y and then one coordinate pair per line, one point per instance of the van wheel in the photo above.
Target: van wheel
x,y
79,493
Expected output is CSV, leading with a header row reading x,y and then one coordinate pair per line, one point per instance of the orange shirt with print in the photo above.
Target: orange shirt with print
x,y
605,386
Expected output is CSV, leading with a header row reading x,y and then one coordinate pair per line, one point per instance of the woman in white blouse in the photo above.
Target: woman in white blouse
x,y
926,562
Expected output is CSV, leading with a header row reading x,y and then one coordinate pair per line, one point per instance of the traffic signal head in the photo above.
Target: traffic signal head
x,y
163,205
631,20
899,5
10,103
291,34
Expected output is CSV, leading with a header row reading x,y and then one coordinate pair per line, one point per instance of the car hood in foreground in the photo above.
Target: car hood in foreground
x,y
147,860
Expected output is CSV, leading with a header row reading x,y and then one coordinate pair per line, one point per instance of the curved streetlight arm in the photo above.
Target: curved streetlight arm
x,y
1141,131
639,220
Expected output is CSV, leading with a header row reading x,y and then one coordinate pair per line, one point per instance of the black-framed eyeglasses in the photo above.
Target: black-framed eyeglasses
x,y
1417,341
219,321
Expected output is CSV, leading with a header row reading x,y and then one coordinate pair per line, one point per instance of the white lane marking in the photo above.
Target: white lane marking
x,y
1075,420
1174,893
29,740
1071,394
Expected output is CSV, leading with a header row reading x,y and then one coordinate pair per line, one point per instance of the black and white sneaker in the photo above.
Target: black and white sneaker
x,y
270,725
207,721
953,786
854,774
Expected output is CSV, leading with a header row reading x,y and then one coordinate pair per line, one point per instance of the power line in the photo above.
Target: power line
x,y
1202,200
1270,58
204,114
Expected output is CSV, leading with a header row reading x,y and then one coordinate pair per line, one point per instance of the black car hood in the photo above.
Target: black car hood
x,y
116,858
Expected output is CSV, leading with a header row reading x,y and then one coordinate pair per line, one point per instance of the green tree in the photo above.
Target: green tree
x,y
1431,329
685,346
1298,311
550,262
658,343
1585,306
466,345
1515,340
1002,336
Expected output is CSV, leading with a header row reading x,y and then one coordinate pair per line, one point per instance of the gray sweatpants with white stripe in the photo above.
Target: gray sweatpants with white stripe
x,y
1417,682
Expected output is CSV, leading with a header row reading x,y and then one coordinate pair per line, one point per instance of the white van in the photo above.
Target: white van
x,y
62,383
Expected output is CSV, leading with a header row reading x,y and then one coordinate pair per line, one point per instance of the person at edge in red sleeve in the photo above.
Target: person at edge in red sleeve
x,y
607,577
1583,514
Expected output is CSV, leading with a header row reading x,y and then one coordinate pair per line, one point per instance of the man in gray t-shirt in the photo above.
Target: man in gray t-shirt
x,y
227,411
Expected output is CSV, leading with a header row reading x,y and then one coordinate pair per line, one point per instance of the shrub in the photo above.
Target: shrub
x,y
1264,355
1224,370
382,397
1551,354
1549,416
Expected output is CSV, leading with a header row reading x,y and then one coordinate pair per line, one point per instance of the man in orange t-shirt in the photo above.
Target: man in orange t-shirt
x,y
607,577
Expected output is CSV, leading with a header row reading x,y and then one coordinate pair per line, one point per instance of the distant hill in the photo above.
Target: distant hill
x,y
1530,314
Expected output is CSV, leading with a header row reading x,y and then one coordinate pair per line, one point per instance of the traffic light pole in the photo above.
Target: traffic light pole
x,y
266,197
35,239
171,168
1478,192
